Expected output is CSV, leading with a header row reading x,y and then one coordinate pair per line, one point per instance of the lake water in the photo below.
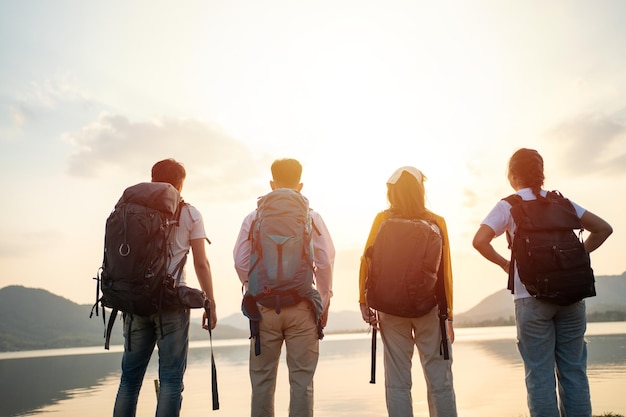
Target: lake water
x,y
489,378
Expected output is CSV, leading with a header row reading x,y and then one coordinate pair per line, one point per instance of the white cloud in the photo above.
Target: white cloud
x,y
113,143
41,98
590,142
52,91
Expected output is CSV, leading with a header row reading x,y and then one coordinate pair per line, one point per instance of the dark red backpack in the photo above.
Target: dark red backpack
x,y
404,267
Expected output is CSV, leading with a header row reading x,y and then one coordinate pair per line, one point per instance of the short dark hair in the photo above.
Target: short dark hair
x,y
170,171
286,172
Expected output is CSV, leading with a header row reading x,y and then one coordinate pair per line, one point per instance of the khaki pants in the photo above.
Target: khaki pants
x,y
399,336
295,326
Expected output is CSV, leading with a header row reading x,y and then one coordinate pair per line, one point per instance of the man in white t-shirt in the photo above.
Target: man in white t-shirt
x,y
169,328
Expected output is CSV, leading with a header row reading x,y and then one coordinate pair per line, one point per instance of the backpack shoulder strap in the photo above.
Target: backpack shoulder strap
x,y
513,200
179,210
556,194
313,225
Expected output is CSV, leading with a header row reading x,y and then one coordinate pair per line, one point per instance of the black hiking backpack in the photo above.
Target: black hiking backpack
x,y
134,277
551,258
404,267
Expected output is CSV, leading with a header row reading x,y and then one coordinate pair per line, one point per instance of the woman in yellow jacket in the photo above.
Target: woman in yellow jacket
x,y
406,195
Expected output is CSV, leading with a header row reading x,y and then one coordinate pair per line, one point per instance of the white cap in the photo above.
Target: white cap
x,y
411,170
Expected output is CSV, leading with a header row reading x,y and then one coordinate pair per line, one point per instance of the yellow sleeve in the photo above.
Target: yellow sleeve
x,y
447,264
364,266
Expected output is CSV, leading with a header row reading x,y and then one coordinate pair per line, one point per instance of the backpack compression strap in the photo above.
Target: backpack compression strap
x,y
107,336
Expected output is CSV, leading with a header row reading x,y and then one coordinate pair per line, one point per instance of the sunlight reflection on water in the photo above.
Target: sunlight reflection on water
x,y
487,370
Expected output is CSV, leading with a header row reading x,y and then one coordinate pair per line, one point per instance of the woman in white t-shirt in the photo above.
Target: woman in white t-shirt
x,y
550,337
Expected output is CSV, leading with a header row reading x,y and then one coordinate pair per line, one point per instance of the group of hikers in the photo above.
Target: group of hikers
x,y
284,258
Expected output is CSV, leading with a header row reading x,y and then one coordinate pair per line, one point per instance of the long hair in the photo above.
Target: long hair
x,y
527,166
407,197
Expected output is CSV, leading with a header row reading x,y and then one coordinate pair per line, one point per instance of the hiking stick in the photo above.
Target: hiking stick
x,y
373,370
215,395
216,400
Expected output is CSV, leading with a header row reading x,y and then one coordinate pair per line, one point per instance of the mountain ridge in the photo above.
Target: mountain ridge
x,y
37,319
498,308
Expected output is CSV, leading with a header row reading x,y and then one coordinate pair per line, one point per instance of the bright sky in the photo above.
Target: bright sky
x,y
93,93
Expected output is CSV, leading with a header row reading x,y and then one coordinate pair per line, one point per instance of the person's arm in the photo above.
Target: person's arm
x,y
241,251
599,230
447,274
324,254
368,314
482,243
203,272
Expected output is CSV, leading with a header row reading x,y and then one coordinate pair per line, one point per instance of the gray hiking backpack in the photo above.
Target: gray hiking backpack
x,y
281,257
281,272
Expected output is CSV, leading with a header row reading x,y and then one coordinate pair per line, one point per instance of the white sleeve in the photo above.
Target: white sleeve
x,y
241,251
499,218
324,258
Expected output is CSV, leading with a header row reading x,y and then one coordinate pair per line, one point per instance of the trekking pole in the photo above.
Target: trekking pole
x,y
373,370
215,395
216,399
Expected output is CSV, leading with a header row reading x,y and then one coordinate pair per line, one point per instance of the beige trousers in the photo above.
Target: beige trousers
x,y
295,326
400,336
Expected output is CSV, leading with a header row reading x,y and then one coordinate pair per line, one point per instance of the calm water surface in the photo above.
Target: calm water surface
x,y
487,370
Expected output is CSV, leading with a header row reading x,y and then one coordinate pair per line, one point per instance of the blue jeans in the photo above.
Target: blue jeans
x,y
551,341
143,333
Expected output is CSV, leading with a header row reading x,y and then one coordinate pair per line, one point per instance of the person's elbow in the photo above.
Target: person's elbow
x,y
479,243
476,243
482,238
606,230
602,233
202,267
596,225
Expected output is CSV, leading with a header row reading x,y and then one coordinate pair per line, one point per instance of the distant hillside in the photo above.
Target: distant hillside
x,y
497,309
494,310
37,319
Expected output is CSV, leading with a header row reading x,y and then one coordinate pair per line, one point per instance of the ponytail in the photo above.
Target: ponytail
x,y
527,166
